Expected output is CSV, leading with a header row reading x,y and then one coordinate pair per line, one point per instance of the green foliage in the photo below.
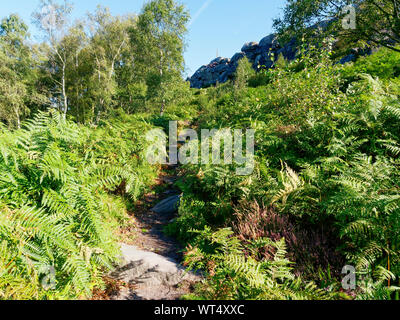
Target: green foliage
x,y
104,62
158,44
327,142
236,272
244,72
376,21
324,191
366,206
55,208
382,64
192,215
19,92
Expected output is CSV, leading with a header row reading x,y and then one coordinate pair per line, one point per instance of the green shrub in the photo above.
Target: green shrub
x,y
55,210
244,72
336,132
383,64
236,272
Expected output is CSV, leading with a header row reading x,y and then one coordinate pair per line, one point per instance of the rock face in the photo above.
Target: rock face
x,y
155,277
263,53
260,53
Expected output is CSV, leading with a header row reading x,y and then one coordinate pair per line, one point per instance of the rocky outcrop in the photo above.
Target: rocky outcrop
x,y
262,53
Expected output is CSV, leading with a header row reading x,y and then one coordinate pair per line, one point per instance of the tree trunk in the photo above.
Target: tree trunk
x,y
161,80
18,118
99,110
64,93
162,107
97,120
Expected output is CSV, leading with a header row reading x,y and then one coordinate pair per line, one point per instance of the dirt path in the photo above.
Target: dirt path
x,y
150,224
151,268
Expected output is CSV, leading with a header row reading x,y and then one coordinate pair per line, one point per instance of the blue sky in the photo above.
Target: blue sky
x,y
221,26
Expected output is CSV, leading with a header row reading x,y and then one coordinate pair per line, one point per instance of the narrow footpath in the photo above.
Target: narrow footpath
x,y
151,268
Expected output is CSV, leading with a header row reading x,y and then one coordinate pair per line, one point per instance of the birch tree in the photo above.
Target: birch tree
x,y
159,44
53,19
18,72
109,40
